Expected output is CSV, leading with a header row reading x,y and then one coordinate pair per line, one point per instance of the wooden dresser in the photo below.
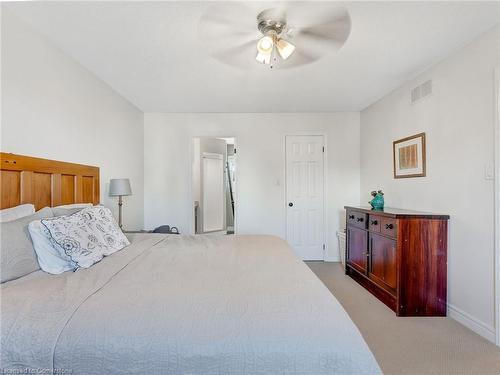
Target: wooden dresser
x,y
400,257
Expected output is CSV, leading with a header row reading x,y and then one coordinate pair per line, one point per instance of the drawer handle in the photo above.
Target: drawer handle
x,y
374,222
389,226
360,219
351,217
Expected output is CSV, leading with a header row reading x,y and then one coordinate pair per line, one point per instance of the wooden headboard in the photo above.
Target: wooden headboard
x,y
43,182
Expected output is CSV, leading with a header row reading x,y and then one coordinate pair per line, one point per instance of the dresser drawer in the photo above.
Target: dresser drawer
x,y
358,219
374,223
388,226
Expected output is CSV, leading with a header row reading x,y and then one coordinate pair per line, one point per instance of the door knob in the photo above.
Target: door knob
x,y
290,204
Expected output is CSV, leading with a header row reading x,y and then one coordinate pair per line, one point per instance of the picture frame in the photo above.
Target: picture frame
x,y
409,156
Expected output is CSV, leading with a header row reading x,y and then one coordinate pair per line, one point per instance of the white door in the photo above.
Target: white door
x,y
304,194
213,192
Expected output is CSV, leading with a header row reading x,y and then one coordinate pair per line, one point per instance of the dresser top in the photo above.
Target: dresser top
x,y
398,213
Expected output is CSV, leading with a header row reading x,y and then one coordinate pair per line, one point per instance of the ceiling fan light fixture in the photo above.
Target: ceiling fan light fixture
x,y
272,24
285,48
265,47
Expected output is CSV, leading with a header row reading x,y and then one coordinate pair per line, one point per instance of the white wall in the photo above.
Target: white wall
x,y
459,122
54,108
260,159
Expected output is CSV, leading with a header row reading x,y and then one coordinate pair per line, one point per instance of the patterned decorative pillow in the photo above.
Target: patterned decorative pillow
x,y
49,258
86,236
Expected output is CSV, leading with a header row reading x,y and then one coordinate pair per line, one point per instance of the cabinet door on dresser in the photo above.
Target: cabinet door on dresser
x,y
357,243
383,267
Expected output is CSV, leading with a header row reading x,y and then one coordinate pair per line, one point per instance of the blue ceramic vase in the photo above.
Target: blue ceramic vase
x,y
377,202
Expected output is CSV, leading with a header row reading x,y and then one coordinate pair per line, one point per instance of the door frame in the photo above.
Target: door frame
x,y
325,183
190,157
497,204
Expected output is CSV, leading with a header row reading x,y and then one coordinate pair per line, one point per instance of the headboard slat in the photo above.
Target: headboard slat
x,y
45,182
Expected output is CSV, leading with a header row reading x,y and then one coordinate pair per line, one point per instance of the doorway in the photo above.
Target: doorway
x,y
305,222
214,181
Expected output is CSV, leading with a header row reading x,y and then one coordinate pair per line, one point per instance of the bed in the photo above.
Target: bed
x,y
182,305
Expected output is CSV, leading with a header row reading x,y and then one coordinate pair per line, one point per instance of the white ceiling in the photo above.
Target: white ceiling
x,y
151,54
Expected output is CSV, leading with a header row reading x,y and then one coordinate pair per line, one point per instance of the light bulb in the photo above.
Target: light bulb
x,y
265,44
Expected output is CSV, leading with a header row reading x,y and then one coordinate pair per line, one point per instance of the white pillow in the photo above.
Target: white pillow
x,y
49,259
14,213
85,236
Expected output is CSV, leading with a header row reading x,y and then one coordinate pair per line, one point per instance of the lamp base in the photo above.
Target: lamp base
x,y
120,204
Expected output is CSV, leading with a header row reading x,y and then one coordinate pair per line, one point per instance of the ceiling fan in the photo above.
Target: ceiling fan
x,y
272,24
283,36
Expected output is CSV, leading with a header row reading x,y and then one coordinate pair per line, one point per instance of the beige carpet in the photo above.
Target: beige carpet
x,y
417,346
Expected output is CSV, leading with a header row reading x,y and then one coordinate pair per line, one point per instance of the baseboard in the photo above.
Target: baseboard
x,y
331,258
482,329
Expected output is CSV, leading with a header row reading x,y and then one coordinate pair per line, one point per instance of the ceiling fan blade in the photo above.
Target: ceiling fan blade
x,y
302,15
225,29
242,55
227,20
333,27
337,32
230,13
298,58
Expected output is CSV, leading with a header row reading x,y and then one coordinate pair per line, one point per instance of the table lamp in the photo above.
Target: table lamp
x,y
119,187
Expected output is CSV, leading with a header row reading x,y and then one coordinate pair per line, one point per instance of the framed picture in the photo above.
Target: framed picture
x,y
409,156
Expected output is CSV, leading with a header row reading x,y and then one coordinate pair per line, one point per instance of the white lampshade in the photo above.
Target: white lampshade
x,y
119,186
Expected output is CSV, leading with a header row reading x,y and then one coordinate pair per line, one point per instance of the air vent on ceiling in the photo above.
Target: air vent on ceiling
x,y
421,91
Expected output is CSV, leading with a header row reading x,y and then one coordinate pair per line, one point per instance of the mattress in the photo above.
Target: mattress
x,y
182,305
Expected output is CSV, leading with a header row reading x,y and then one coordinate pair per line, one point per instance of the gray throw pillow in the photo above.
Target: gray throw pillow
x,y
17,256
72,208
65,211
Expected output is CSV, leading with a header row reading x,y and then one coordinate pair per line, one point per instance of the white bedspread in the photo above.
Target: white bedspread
x,y
182,305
